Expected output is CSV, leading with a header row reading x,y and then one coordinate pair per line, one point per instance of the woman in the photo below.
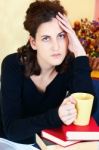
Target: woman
x,y
35,80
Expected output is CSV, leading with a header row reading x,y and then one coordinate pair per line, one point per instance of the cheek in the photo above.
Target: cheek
x,y
41,45
64,45
66,41
41,50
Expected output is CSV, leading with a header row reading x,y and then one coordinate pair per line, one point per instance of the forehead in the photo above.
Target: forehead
x,y
49,28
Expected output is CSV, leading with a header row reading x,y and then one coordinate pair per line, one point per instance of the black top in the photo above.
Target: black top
x,y
26,110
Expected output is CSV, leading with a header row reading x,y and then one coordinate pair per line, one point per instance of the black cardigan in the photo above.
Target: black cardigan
x,y
26,110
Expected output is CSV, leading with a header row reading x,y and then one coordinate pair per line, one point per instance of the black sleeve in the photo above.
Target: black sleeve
x,y
18,128
79,79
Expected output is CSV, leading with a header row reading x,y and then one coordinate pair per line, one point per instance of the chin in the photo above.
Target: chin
x,y
57,63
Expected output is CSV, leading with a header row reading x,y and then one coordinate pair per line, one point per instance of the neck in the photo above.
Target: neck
x,y
47,72
46,69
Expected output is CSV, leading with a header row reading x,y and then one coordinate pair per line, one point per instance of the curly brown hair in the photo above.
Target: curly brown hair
x,y
38,13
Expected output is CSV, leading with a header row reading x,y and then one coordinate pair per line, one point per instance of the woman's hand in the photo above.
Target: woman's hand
x,y
67,111
74,43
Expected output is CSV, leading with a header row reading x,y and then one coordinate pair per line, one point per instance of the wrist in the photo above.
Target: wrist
x,y
80,53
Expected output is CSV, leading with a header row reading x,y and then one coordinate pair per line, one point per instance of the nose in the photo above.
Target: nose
x,y
55,45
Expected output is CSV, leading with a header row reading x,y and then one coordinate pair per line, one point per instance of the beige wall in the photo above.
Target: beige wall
x,y
78,9
12,33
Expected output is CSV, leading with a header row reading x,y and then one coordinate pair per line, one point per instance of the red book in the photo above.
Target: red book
x,y
57,136
88,132
67,135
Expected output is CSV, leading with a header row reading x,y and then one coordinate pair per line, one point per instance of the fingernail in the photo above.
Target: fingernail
x,y
59,13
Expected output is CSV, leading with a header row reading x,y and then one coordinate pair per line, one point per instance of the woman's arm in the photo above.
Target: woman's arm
x,y
79,79
74,43
79,72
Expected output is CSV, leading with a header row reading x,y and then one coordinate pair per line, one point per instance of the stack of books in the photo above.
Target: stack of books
x,y
68,135
47,145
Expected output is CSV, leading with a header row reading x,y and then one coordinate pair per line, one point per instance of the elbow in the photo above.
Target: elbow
x,y
11,135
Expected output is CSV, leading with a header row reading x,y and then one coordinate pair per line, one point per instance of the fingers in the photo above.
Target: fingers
x,y
72,100
64,27
68,120
74,43
67,111
63,20
62,16
68,100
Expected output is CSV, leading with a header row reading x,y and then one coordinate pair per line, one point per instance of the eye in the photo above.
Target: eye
x,y
46,38
62,35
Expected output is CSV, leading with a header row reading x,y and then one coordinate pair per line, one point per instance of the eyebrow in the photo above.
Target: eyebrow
x,y
45,35
58,34
63,32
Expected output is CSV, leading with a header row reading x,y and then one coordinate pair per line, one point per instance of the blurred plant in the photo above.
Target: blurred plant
x,y
88,34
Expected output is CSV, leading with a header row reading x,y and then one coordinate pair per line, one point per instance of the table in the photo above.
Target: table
x,y
95,74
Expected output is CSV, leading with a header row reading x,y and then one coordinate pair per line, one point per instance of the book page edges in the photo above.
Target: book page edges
x,y
82,135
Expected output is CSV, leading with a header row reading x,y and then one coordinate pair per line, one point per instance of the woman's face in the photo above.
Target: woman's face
x,y
51,43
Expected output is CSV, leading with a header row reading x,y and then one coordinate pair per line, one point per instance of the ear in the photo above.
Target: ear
x,y
32,42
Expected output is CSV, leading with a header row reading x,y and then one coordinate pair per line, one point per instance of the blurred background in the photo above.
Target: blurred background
x,y
12,33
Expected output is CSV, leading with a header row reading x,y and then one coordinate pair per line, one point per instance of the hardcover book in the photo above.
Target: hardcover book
x,y
44,144
47,145
88,132
57,136
67,135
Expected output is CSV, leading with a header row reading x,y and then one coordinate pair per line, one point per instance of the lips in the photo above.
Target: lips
x,y
56,55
